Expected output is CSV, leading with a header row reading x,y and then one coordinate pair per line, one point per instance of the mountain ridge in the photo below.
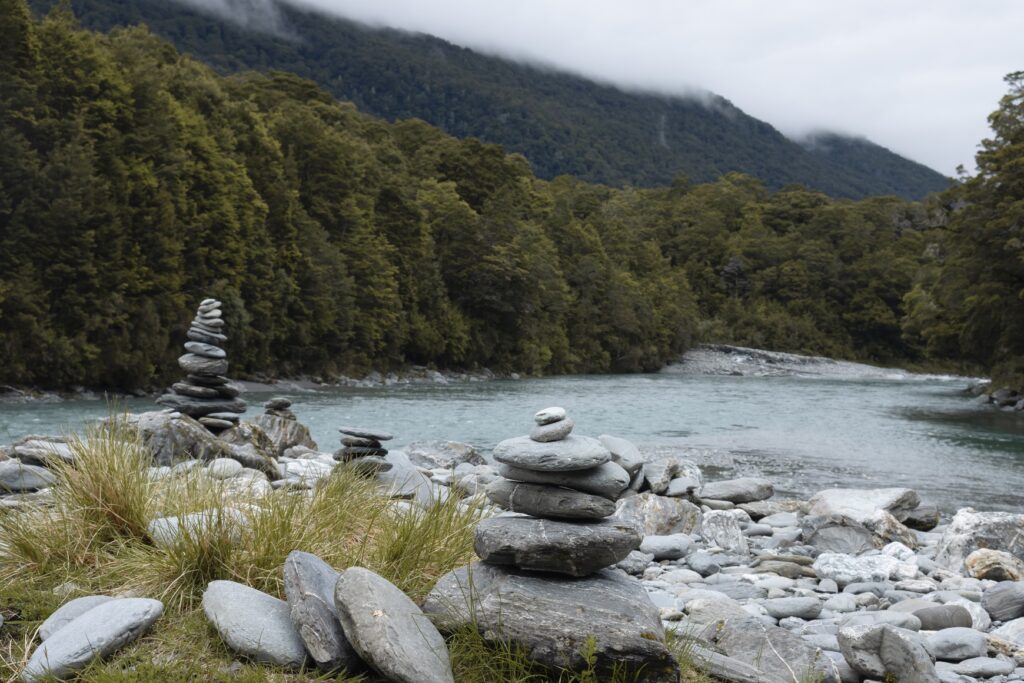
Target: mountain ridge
x,y
564,124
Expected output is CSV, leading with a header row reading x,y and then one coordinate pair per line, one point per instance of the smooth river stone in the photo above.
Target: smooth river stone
x,y
198,407
195,334
254,624
375,435
95,634
389,631
624,452
309,586
555,431
16,477
551,546
68,612
194,391
548,501
205,350
549,415
607,480
197,365
571,453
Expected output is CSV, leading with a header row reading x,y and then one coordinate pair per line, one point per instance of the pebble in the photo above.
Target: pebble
x,y
553,431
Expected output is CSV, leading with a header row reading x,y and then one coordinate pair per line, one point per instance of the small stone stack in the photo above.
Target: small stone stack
x,y
567,485
362,448
279,407
205,393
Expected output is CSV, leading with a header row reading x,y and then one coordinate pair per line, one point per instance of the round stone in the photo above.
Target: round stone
x,y
549,415
205,350
548,501
551,546
376,435
571,453
554,431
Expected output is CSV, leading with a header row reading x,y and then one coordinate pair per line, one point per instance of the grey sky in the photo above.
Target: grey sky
x,y
917,76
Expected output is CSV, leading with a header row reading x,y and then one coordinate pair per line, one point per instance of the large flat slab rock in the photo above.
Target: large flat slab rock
x,y
781,655
571,453
309,586
552,618
551,546
95,634
389,631
254,624
607,480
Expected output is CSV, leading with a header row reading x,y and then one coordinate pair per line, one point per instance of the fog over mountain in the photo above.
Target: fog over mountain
x,y
918,77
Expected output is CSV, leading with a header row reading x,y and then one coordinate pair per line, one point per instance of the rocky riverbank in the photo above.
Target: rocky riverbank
x,y
849,585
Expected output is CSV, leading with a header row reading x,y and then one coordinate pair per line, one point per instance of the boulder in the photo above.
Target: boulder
x,y
95,634
844,569
443,454
970,530
1004,601
743,490
836,534
254,624
283,433
1012,631
659,515
172,437
16,477
996,565
881,651
42,450
670,547
553,618
389,631
309,586
722,528
957,644
861,504
547,545
781,655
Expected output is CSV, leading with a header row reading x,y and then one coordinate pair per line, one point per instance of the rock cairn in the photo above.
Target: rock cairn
x,y
566,486
205,393
363,450
279,407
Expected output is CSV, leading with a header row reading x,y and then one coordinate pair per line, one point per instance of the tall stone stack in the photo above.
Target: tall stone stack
x,y
566,486
362,449
206,393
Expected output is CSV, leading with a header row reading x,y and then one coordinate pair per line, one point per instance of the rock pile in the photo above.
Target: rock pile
x,y
362,449
559,490
205,393
279,407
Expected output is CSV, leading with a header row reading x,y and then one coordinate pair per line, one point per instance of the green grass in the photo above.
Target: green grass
x,y
94,539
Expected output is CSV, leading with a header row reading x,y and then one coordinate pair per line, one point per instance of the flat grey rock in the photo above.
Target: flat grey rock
x,y
1005,600
549,415
552,502
42,452
17,477
667,547
571,453
804,608
983,667
440,454
624,452
196,334
309,586
194,391
938,617
607,480
551,618
553,431
552,546
389,631
254,624
68,612
199,365
375,434
198,407
780,654
205,350
95,634
957,644
904,620
722,528
742,490
1012,631
875,650
836,534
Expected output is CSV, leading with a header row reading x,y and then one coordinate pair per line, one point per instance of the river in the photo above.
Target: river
x,y
803,428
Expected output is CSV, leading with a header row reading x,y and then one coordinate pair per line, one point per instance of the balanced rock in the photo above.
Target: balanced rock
x,y
607,480
555,620
389,631
553,546
571,453
542,500
553,431
549,415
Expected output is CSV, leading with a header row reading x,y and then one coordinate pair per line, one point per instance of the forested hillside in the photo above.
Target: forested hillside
x,y
562,123
135,181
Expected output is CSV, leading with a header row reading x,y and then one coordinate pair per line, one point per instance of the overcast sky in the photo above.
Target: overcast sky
x,y
917,76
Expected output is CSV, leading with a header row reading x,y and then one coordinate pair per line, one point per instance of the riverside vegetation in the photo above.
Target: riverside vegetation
x,y
133,178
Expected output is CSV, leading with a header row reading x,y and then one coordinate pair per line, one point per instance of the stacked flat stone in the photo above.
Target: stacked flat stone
x,y
362,448
565,488
205,393
279,407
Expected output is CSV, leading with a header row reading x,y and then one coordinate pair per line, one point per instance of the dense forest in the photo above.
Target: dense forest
x,y
134,181
563,124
